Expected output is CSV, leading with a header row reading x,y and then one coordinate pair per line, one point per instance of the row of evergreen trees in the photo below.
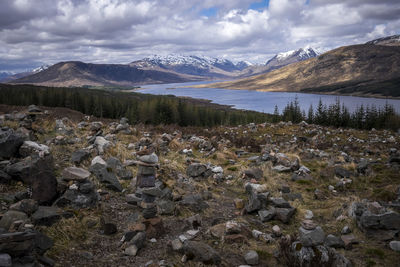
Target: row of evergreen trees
x,y
154,109
336,114
138,108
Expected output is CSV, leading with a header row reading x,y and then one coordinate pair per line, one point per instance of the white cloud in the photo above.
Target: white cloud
x,y
120,31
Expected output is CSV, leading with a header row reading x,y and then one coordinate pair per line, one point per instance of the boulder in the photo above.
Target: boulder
x,y
17,244
311,238
28,148
10,217
104,175
80,155
334,242
198,170
102,144
251,257
201,252
284,214
38,172
28,206
395,245
84,196
267,215
149,159
75,174
48,215
5,260
342,172
254,173
10,142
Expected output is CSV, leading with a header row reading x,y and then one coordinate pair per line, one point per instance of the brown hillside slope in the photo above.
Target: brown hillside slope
x,y
356,64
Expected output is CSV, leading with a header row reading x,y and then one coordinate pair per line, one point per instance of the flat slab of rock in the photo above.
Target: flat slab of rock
x,y
48,215
75,174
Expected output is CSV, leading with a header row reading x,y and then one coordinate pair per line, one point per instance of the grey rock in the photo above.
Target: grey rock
x,y
389,220
395,245
4,177
362,166
281,168
10,142
201,252
42,242
102,144
75,174
133,199
80,155
280,203
346,230
284,214
131,250
11,216
105,176
5,260
334,242
176,245
28,148
152,191
342,172
28,206
150,212
251,257
84,197
310,238
194,201
139,240
254,173
48,215
197,170
267,215
166,207
150,159
18,243
34,109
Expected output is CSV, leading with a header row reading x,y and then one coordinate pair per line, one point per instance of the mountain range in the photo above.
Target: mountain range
x,y
154,69
371,69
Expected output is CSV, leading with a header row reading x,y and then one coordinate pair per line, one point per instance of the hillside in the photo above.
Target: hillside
x,y
75,73
349,68
72,193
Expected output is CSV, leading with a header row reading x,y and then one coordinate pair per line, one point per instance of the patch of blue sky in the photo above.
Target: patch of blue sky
x,y
259,5
209,12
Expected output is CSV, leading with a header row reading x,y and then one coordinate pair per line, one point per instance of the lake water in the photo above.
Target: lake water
x,y
260,101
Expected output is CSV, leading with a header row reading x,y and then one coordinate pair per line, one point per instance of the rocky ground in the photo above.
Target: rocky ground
x,y
258,195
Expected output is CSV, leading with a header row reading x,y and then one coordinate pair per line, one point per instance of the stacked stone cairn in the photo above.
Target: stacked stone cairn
x,y
145,182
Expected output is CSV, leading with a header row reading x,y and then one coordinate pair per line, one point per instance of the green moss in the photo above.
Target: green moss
x,y
370,263
233,168
264,255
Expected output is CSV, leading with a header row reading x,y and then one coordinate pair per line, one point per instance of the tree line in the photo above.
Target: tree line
x,y
138,108
336,114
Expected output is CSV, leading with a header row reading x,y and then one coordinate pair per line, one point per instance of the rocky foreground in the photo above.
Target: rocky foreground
x,y
78,191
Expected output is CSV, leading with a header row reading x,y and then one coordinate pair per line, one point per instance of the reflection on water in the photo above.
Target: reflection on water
x,y
260,101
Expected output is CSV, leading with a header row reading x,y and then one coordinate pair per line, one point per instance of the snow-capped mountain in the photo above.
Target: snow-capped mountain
x,y
393,40
286,58
14,76
41,68
191,65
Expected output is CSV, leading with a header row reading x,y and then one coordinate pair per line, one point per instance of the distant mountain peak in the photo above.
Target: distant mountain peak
x,y
393,40
191,64
301,53
289,57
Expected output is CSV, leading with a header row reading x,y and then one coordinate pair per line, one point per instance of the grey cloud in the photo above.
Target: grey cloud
x,y
119,31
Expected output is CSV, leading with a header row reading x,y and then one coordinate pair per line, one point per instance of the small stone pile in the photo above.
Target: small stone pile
x,y
145,181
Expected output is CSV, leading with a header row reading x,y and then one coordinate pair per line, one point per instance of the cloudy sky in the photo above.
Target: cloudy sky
x,y
35,32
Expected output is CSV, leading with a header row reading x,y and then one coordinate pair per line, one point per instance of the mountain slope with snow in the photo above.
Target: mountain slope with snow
x,y
192,65
293,56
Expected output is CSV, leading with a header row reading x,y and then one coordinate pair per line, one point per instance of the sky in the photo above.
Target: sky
x,y
37,32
